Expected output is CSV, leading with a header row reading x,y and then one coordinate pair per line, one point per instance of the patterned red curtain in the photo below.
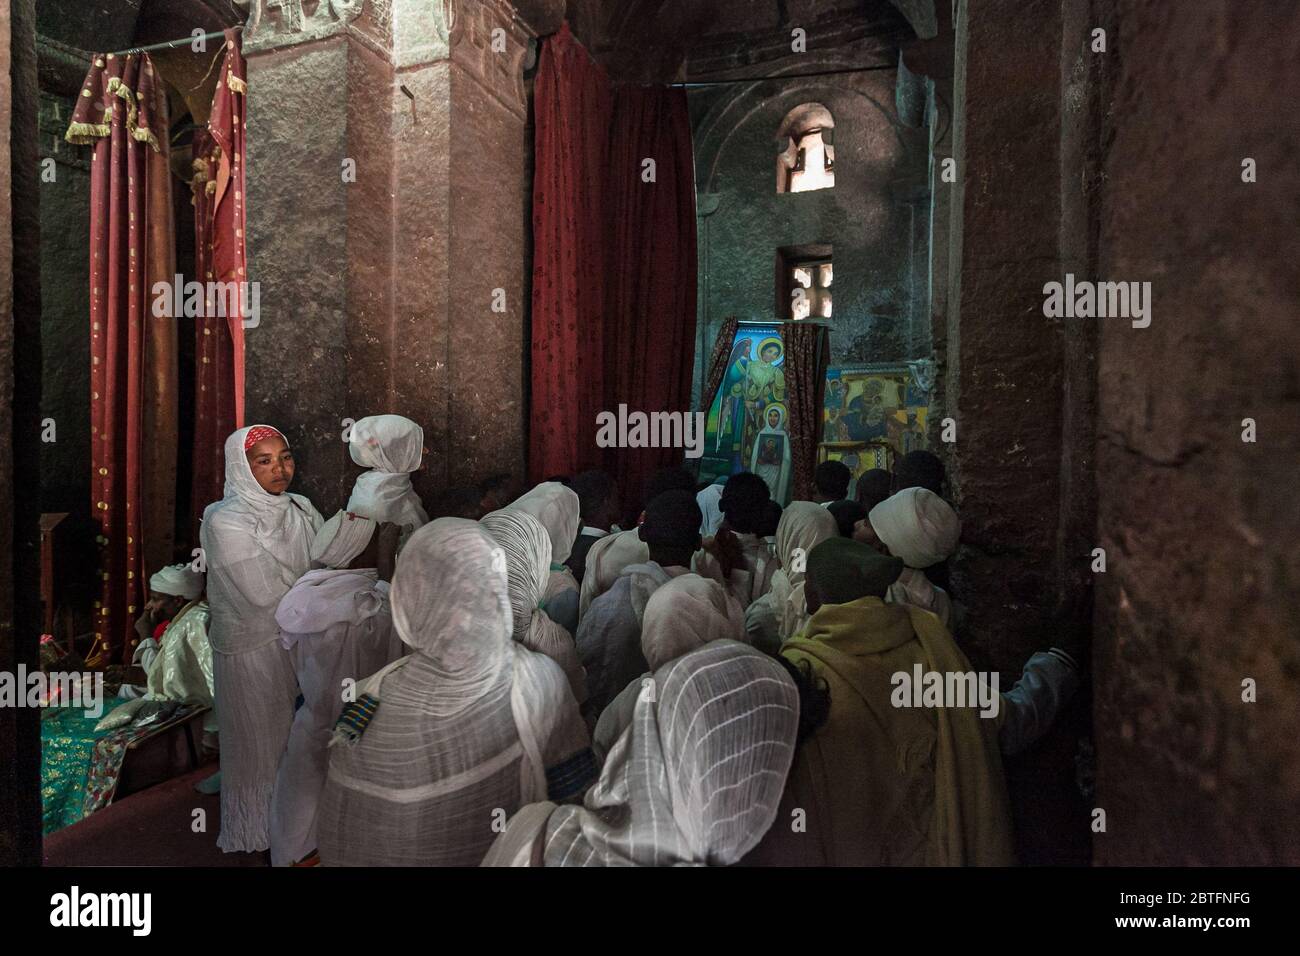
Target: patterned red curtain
x,y
220,256
807,353
122,112
572,114
214,376
650,302
717,368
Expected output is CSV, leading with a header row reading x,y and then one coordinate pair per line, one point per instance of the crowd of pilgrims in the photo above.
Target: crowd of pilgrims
x,y
519,682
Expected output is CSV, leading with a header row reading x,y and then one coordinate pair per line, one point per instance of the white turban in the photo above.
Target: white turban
x,y
341,539
684,615
178,580
917,526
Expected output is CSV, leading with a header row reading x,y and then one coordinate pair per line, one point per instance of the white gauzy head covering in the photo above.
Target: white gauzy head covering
x,y
556,507
341,539
390,446
388,443
450,606
685,614
526,548
803,525
275,515
698,777
917,526
708,500
178,580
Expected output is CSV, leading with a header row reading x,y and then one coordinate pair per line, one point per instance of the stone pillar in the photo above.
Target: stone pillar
x,y
20,428
1018,384
378,287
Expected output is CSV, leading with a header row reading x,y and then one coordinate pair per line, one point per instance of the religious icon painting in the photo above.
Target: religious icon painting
x,y
754,380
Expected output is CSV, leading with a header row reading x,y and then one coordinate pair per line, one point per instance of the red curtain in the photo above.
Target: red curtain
x,y
572,115
220,256
807,353
650,301
122,112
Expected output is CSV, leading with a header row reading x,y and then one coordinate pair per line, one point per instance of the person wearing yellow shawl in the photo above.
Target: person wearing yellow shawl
x,y
879,784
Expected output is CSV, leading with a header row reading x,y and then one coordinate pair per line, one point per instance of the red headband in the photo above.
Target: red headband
x,y
259,432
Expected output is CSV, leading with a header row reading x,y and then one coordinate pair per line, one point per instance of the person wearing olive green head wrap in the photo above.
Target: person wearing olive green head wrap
x,y
883,785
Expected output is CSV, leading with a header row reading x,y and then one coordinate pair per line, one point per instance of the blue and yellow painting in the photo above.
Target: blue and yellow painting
x,y
752,389
871,415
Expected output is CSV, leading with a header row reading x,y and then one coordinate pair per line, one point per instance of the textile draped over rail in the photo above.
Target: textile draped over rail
x,y
599,212
122,113
717,367
572,106
220,256
807,353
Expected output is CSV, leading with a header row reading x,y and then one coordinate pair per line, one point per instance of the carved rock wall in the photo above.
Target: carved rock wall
x,y
1200,528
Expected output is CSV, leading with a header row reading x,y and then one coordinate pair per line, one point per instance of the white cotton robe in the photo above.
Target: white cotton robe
x,y
606,560
468,726
609,635
256,545
782,612
338,628
696,780
746,584
681,615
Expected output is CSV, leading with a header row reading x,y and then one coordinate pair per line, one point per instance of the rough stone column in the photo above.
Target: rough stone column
x,y
20,391
1017,383
377,293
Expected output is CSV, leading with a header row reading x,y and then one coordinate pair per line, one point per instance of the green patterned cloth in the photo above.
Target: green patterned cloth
x,y
67,740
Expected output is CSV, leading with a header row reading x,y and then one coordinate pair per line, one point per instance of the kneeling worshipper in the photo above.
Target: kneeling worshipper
x,y
609,636
178,681
174,592
257,544
695,780
178,654
337,626
557,508
610,555
526,548
684,614
469,726
737,555
922,529
883,784
781,613
598,499
391,447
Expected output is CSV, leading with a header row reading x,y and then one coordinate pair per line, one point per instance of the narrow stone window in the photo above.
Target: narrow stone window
x,y
806,158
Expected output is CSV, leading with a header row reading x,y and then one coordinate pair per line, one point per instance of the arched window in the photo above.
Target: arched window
x,y
806,159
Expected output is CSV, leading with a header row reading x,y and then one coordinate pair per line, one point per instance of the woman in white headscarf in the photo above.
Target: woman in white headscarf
x,y
391,447
681,615
559,511
468,726
257,542
770,459
527,551
338,629
696,779
781,613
